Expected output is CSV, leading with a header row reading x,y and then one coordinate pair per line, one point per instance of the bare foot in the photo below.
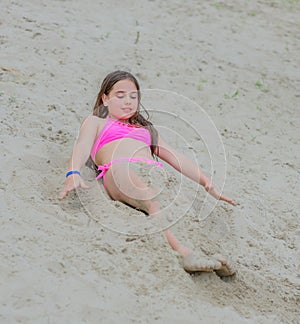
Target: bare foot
x,y
226,269
193,262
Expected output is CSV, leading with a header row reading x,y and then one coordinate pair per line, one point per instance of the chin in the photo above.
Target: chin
x,y
126,116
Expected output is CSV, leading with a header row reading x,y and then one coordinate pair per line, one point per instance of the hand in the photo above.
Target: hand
x,y
212,190
72,182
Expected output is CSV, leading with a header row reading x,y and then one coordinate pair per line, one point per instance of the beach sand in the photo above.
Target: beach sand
x,y
235,63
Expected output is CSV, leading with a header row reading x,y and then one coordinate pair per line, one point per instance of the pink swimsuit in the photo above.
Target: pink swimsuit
x,y
114,130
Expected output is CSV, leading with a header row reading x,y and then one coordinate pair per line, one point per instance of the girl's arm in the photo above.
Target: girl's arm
x,y
188,168
81,152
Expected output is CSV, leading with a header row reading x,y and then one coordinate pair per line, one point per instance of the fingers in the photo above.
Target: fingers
x,y
215,193
63,194
65,191
83,185
231,202
228,200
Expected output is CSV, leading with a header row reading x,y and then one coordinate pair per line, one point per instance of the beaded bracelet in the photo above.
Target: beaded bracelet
x,y
72,172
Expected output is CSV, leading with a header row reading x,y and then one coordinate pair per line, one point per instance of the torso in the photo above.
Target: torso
x,y
120,148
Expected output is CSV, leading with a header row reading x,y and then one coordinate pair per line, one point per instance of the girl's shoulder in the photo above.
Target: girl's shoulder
x,y
92,123
94,120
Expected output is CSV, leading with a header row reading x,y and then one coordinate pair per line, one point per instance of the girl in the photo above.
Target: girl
x,y
121,138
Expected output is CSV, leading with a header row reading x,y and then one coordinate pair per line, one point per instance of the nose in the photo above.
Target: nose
x,y
128,100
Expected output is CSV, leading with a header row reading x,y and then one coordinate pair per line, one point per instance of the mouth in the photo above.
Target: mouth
x,y
127,109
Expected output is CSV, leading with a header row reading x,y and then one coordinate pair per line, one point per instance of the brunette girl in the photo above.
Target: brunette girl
x,y
116,137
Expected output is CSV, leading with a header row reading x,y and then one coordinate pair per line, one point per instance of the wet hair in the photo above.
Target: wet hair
x,y
137,119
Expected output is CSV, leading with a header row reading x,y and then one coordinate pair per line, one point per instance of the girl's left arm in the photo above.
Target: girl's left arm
x,y
188,168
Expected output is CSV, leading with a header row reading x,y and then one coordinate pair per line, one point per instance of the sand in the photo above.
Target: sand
x,y
239,62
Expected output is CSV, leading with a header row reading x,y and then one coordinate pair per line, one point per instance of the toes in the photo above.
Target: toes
x,y
220,258
226,269
193,263
205,265
225,272
213,264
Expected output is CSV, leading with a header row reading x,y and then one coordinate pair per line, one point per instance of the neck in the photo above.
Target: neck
x,y
125,121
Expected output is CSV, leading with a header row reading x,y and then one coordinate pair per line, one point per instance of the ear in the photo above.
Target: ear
x,y
105,100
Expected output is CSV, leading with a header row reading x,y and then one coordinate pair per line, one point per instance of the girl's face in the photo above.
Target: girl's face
x,y
122,101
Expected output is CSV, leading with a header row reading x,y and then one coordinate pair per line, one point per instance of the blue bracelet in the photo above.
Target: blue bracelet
x,y
72,172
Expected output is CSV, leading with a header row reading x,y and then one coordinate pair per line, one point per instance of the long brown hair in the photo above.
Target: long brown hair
x,y
137,119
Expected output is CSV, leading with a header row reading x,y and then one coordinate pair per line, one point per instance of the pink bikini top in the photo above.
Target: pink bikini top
x,y
115,129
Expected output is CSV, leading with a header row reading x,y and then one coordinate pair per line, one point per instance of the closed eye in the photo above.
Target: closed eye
x,y
133,95
122,94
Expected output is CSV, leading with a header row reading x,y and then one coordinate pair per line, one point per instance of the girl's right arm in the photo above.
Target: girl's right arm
x,y
81,152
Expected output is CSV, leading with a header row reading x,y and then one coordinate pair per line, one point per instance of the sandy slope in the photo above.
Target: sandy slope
x,y
237,60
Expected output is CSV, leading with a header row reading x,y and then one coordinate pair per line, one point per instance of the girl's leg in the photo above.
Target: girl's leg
x,y
192,262
172,240
124,185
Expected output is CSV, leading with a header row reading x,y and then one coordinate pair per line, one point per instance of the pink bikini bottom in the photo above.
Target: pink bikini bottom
x,y
104,168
